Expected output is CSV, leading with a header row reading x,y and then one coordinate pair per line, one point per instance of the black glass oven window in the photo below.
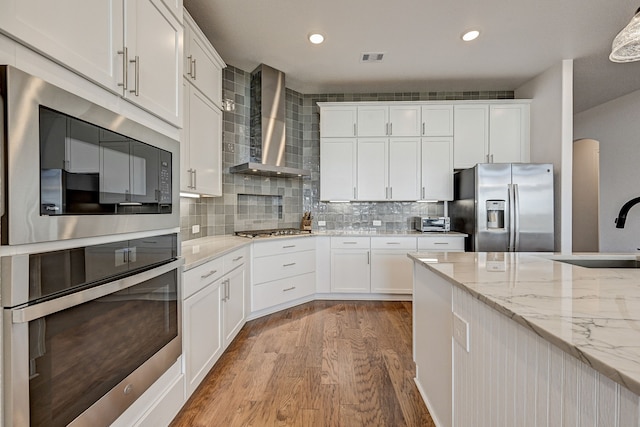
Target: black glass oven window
x,y
79,354
86,169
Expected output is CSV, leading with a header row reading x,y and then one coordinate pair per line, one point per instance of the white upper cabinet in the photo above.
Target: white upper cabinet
x,y
437,120
338,121
437,168
384,120
203,66
372,169
471,135
509,133
153,47
404,169
373,120
83,35
404,120
338,169
130,47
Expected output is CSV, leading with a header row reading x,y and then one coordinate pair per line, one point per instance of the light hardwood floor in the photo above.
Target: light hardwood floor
x,y
324,363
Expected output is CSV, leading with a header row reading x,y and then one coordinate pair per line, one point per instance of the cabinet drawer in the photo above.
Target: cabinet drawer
x,y
268,268
408,243
350,243
198,277
283,246
280,291
236,258
441,243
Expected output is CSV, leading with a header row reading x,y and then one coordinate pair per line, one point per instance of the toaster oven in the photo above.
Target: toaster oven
x,y
431,223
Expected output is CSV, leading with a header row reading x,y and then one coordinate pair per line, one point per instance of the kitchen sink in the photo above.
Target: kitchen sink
x,y
602,263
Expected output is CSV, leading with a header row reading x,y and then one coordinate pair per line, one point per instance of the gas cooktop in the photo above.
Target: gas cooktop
x,y
271,233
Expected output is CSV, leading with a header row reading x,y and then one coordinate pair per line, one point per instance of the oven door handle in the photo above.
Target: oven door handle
x,y
36,311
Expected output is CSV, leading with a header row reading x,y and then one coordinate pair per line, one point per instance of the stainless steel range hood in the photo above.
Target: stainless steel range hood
x,y
268,134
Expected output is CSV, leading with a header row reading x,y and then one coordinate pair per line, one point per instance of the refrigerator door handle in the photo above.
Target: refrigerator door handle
x,y
516,219
512,219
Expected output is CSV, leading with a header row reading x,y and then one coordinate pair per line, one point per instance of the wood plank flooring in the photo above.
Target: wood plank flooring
x,y
324,363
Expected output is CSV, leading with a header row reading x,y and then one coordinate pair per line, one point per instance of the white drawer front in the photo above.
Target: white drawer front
x,y
236,258
350,243
283,246
450,243
405,243
268,268
199,277
280,291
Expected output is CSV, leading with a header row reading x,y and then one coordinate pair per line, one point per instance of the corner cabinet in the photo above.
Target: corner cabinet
x,y
114,44
201,142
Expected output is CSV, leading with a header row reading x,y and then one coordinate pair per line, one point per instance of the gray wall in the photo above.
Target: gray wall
x,y
258,203
616,126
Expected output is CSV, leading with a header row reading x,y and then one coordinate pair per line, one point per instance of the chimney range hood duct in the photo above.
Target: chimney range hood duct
x,y
268,134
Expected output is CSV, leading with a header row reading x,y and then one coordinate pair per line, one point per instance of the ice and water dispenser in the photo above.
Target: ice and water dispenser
x,y
495,214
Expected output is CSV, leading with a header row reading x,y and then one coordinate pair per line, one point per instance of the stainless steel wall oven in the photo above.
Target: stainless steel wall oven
x,y
87,330
71,168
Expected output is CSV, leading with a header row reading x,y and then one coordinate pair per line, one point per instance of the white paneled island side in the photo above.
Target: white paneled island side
x,y
503,339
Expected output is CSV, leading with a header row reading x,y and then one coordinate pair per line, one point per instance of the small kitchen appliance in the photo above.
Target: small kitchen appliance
x,y
431,223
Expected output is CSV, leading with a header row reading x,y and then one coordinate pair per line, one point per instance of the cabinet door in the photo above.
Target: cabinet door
x,y
154,42
404,169
404,120
83,35
336,122
373,120
437,168
203,66
233,314
391,272
509,133
337,169
372,169
205,144
471,135
350,270
202,341
437,120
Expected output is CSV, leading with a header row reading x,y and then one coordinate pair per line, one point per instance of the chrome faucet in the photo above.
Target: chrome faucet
x,y
622,215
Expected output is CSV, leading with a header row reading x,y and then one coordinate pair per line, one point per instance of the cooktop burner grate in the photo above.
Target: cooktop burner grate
x,y
271,233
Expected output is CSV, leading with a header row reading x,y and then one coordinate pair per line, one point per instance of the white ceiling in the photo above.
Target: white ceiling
x,y
421,41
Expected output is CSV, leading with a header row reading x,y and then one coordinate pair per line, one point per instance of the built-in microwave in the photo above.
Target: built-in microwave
x,y
74,169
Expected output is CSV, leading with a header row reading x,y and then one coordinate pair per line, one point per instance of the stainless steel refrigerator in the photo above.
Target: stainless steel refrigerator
x,y
504,207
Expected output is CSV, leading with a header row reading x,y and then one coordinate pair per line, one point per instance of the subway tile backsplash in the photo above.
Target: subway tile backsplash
x,y
252,203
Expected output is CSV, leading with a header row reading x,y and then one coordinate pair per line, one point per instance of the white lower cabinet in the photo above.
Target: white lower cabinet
x,y
283,271
350,270
213,312
442,243
202,340
391,269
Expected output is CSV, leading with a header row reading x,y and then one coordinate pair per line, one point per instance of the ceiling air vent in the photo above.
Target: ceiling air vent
x,y
372,57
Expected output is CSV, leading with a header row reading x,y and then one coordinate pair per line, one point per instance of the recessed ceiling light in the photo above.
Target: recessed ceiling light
x,y
470,35
316,38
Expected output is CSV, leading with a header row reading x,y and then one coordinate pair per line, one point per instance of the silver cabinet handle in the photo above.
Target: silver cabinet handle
x,y
136,61
487,156
190,72
423,128
391,192
440,243
492,158
289,289
349,243
422,193
125,73
228,289
355,130
237,259
368,257
288,246
195,179
393,243
209,274
390,128
194,68
289,265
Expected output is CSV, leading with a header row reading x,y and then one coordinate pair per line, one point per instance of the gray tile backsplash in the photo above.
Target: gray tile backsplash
x,y
252,203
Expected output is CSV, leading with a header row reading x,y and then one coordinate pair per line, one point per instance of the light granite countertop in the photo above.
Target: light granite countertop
x,y
591,313
198,251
